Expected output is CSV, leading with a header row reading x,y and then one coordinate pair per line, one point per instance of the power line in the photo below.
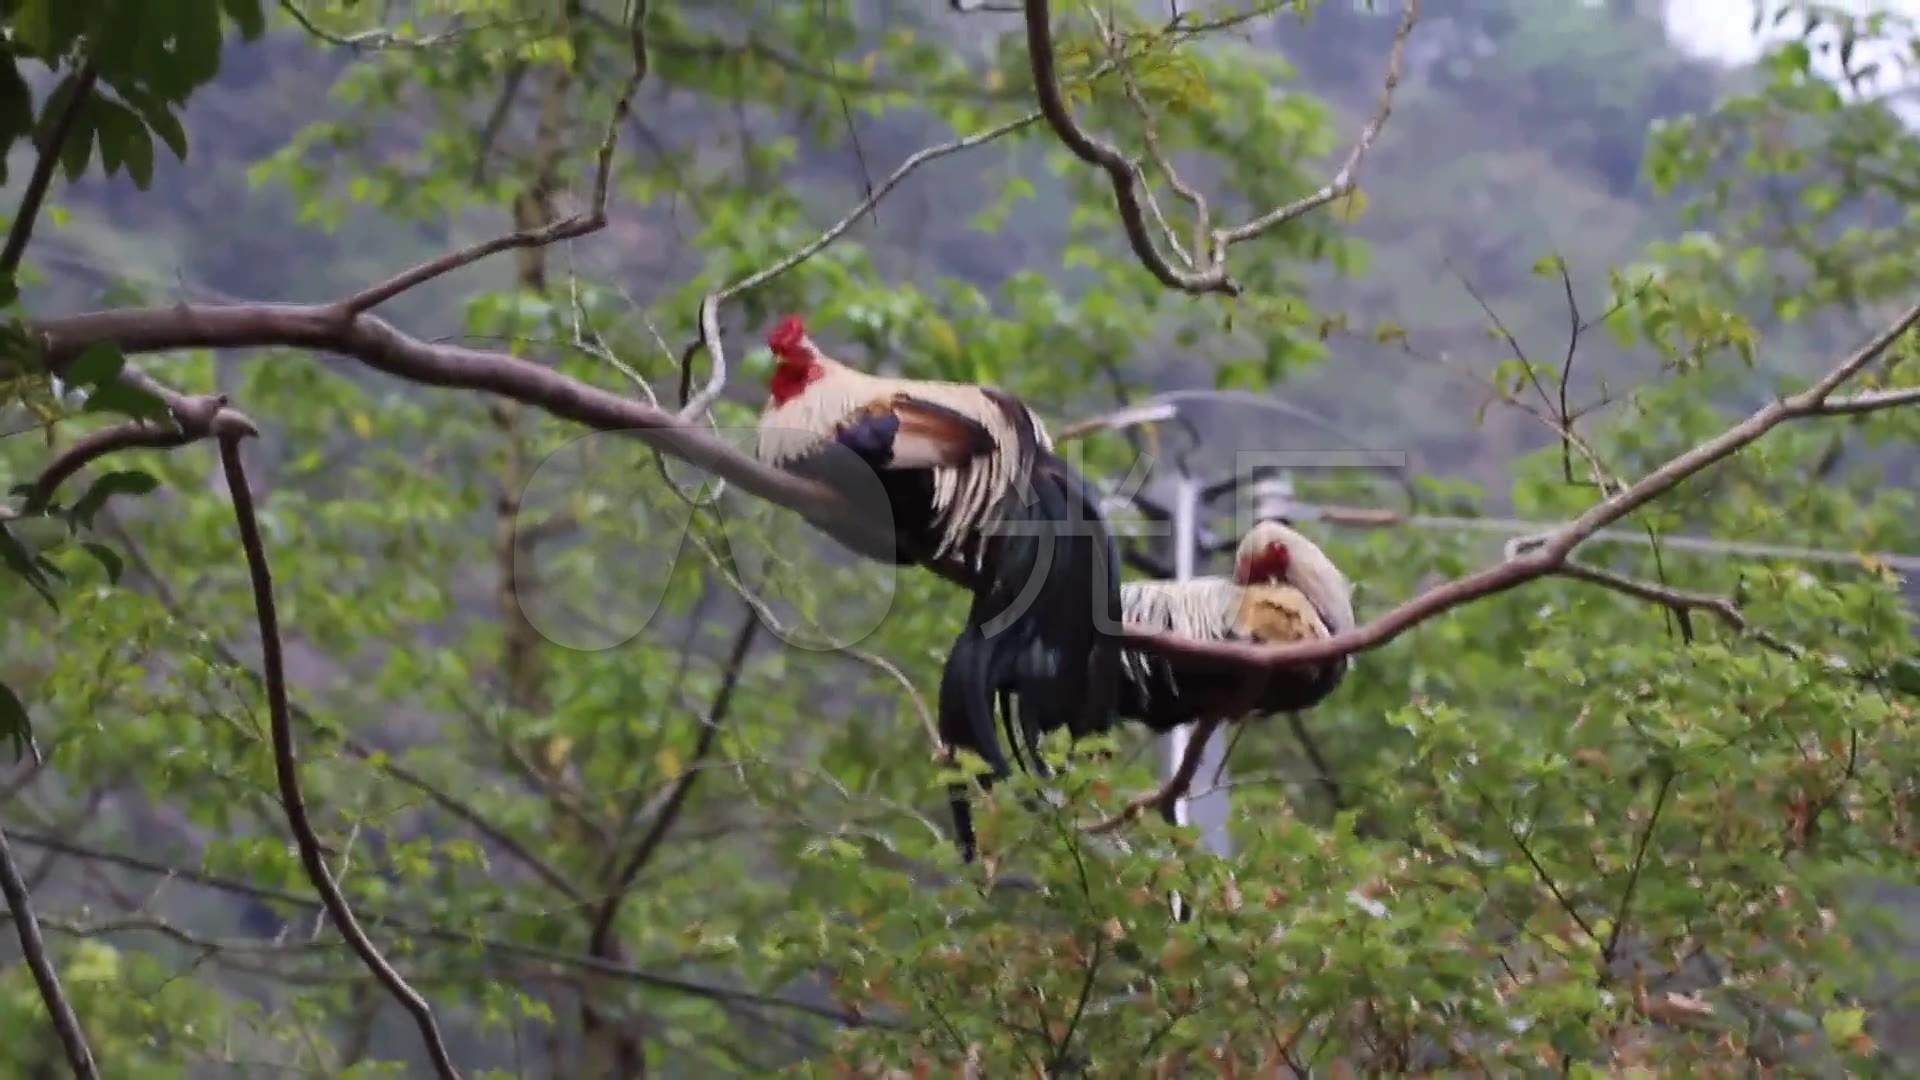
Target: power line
x,y
1363,516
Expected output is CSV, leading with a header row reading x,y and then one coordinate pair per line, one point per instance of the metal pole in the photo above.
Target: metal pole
x,y
1209,811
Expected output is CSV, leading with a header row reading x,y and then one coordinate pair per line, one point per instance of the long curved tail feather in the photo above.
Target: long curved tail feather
x,y
1039,635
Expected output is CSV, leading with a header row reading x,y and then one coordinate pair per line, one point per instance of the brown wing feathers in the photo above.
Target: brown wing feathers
x,y
930,435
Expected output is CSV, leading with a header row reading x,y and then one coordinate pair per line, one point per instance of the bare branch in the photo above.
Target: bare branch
x,y
42,177
591,220
194,419
1679,601
72,1039
669,812
286,771
377,343
1544,555
1176,785
1126,178
709,340
383,38
1869,401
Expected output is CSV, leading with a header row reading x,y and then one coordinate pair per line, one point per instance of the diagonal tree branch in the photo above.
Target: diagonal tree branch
x,y
1868,401
72,1039
378,344
663,819
43,168
1547,554
285,768
709,340
1543,556
590,220
1125,175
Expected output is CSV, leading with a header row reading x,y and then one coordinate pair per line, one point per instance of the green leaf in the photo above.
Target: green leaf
x,y
1843,1024
15,726
124,141
77,150
33,27
139,157
98,364
24,566
121,482
108,559
127,400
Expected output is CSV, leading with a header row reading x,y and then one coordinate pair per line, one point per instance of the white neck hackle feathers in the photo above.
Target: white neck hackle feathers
x,y
1210,608
967,499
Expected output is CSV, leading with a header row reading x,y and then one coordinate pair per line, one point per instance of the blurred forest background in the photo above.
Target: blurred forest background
x,y
481,785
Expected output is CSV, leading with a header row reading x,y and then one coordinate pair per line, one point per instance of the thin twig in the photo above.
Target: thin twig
x,y
591,220
43,169
447,936
1125,174
284,765
1639,861
1868,401
383,38
1165,794
709,340
676,796
65,1023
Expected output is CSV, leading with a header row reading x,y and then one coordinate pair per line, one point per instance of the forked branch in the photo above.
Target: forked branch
x,y
285,767
590,220
1136,203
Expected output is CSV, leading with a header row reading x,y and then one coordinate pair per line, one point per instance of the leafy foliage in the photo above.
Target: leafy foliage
x,y
1560,827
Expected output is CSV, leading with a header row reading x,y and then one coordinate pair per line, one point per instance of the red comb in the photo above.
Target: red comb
x,y
786,333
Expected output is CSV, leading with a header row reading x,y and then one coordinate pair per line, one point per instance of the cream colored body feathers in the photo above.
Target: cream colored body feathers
x,y
1316,601
1214,609
968,497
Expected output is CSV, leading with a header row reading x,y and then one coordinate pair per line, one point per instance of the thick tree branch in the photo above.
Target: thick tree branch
x,y
194,418
1135,202
285,768
34,947
378,344
43,168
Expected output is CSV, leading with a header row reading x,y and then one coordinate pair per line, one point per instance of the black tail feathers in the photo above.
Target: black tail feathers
x,y
1040,634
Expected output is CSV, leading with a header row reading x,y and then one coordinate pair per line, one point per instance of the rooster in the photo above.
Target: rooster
x,y
1284,588
968,472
